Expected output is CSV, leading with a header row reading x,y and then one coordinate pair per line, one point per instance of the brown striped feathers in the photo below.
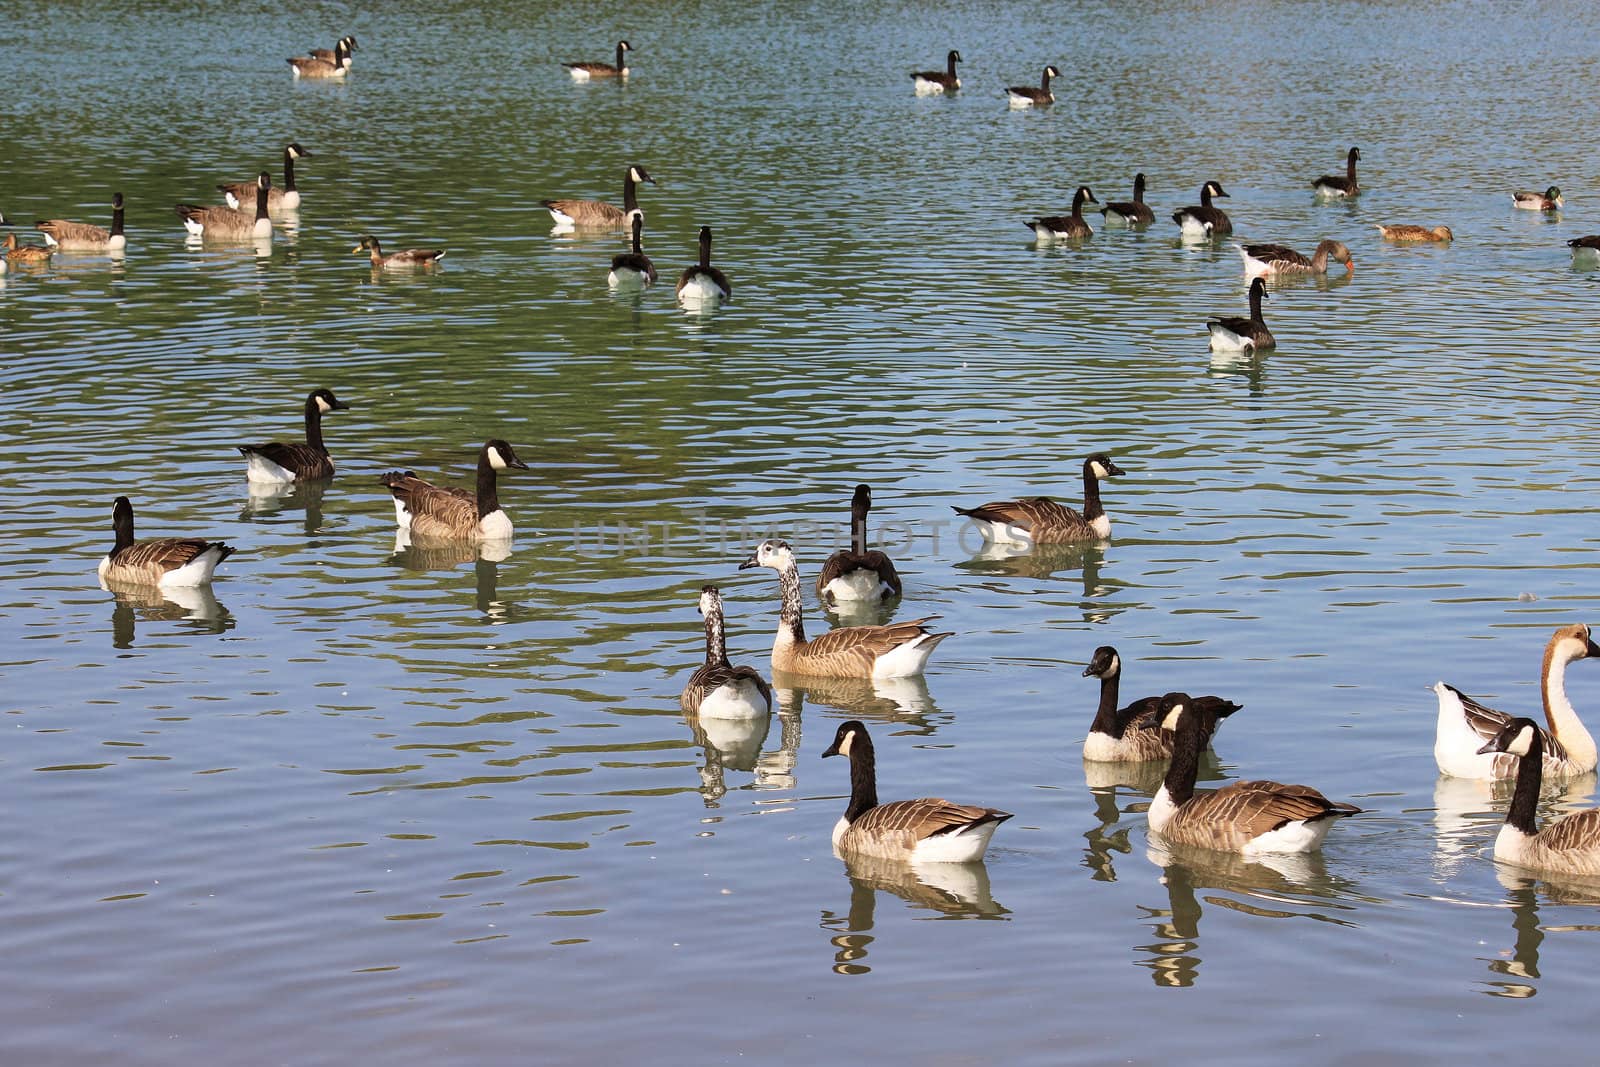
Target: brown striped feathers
x,y
446,513
163,562
83,237
1040,520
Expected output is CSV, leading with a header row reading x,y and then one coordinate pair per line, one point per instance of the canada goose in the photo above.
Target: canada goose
x,y
1205,220
898,650
279,463
1133,212
1234,334
1040,520
405,259
1405,231
929,82
1028,96
1571,844
448,513
1464,724
632,270
1281,259
597,214
1247,817
331,55
703,283
717,688
1133,734
25,254
313,67
1549,200
241,196
929,830
1332,185
858,573
1065,227
582,72
82,237
220,223
1585,246
159,561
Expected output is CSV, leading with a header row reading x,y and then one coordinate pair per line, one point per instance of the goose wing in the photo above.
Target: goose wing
x,y
1277,255
844,561
299,457
158,554
1036,514
911,821
852,650
62,231
587,212
1486,722
434,508
712,676
1579,831
1233,816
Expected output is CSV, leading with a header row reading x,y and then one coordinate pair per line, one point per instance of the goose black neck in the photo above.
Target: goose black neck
x,y
488,487
1077,203
950,64
630,194
620,51
1256,292
1105,718
638,232
716,641
1205,195
1185,765
314,422
789,614
122,526
116,219
1350,167
705,250
1044,80
858,526
863,777
1525,799
288,170
1092,508
262,196
1138,189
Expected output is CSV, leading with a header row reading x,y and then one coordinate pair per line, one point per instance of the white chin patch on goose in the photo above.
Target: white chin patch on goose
x,y
496,460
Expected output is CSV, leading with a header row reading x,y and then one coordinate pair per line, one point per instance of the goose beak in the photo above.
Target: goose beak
x,y
747,564
1593,649
358,249
1487,748
517,464
833,750
1350,267
1114,469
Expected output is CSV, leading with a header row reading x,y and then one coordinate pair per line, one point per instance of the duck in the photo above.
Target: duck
x,y
582,72
25,254
1133,734
717,689
332,55
927,830
898,650
633,269
405,259
1281,259
83,237
1065,228
929,82
164,562
702,283
1465,724
1549,200
1028,96
315,67
1234,334
1585,246
597,214
1251,818
1133,212
1568,846
218,223
1405,231
1331,185
858,573
1204,221
280,463
1039,520
446,513
241,196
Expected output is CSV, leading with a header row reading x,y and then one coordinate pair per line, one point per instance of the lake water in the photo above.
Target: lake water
x,y
361,805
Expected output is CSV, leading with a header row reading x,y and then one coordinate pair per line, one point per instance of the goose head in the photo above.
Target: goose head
x,y
770,553
638,174
624,46
710,601
1084,195
296,151
1339,253
500,456
847,737
955,57
326,401
263,183
1099,464
1051,72
861,501
1355,153
1213,189
1105,664
1174,709
1516,737
1573,643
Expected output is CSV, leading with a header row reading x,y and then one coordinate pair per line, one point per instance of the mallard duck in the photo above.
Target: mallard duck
x,y
405,259
1405,231
1549,200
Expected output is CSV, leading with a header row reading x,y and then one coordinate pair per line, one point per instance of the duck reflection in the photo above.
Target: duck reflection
x,y
197,605
951,890
905,701
267,499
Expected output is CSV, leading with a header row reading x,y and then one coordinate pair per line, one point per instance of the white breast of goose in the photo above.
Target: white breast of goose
x,y
925,87
495,526
263,471
738,699
700,289
859,584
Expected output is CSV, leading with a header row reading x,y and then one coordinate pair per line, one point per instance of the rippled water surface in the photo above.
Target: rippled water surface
x,y
366,804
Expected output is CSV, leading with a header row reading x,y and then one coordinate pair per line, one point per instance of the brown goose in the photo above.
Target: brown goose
x,y
405,259
597,214
25,254
858,573
218,223
633,269
1040,520
241,196
898,650
582,72
280,463
1133,212
718,689
1065,227
1204,221
929,82
1331,185
703,284
1028,96
1571,844
929,830
1248,817
331,55
165,562
81,236
1549,200
445,513
313,67
1133,734
1405,231
1281,259
1234,334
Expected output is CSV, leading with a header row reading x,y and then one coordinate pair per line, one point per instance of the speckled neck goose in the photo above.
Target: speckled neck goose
x,y
332,55
1234,334
218,223
929,82
1028,96
633,269
858,573
312,67
1204,221
1405,231
582,72
929,830
446,513
1549,200
1331,185
597,214
1585,246
82,237
1281,259
25,254
241,196
279,463
165,562
1065,227
702,283
405,259
1133,734
898,650
1040,520
1246,817
1570,845
1133,212
718,689
1464,724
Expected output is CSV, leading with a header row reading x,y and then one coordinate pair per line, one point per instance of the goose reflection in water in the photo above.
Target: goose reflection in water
x,y
1468,813
950,890
1514,969
197,605
267,499
444,555
1010,560
736,745
1139,781
1251,366
903,701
